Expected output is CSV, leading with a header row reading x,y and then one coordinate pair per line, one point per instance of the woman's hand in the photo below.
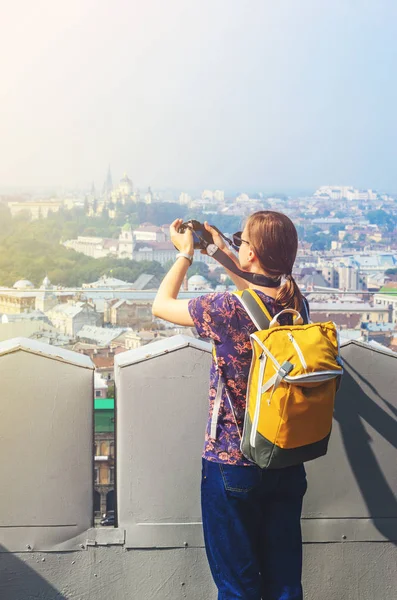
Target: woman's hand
x,y
182,241
218,240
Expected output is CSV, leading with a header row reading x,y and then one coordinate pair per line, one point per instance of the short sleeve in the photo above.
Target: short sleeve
x,y
211,314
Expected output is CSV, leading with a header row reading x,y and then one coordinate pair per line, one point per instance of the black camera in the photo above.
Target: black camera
x,y
201,237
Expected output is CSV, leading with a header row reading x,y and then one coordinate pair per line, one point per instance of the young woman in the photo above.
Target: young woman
x,y
251,517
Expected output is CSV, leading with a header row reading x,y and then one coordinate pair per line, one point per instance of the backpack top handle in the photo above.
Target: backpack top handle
x,y
297,318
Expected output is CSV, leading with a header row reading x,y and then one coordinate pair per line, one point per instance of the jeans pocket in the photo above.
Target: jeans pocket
x,y
240,479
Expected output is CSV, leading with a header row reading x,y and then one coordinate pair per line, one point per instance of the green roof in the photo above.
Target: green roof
x,y
103,403
391,291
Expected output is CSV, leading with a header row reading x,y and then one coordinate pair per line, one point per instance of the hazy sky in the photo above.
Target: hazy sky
x,y
235,94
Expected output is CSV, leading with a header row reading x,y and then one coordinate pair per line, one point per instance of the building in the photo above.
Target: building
x,y
146,243
377,262
219,195
350,278
136,339
104,363
146,281
148,197
343,275
104,455
127,313
45,298
124,192
107,283
149,233
348,314
331,275
126,242
382,333
19,301
23,284
70,318
95,247
101,336
338,192
185,199
198,283
100,386
108,184
35,210
387,298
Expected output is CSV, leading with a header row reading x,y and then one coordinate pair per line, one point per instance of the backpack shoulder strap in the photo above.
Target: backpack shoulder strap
x,y
255,308
305,312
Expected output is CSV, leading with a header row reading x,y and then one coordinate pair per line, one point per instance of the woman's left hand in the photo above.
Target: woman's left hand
x,y
182,241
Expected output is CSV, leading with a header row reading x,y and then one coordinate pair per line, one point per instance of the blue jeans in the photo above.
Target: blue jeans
x,y
252,532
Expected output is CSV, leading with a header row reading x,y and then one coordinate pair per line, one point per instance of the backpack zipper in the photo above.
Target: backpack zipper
x,y
298,350
255,422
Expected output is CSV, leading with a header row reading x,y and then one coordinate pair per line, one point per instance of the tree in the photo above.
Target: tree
x,y
382,219
199,268
334,229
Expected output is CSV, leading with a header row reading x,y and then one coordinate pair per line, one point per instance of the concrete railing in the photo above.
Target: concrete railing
x,y
49,547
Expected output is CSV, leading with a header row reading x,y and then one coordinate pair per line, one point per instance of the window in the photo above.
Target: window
x,y
111,475
97,393
111,449
97,475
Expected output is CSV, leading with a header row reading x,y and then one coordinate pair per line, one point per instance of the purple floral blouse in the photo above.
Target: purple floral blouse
x,y
221,318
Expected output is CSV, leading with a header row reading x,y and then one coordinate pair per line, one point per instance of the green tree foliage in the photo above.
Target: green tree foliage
x,y
226,223
32,250
317,239
335,228
382,219
199,268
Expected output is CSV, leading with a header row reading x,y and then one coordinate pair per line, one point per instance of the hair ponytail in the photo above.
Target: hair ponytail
x,y
274,239
289,295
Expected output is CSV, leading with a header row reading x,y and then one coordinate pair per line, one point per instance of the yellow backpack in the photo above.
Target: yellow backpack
x,y
294,376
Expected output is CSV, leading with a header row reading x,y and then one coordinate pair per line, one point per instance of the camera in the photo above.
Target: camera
x,y
201,237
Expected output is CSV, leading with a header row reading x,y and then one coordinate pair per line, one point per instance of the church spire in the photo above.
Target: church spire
x,y
108,185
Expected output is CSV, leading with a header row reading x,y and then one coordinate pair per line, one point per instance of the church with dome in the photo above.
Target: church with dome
x,y
198,283
20,300
23,284
113,196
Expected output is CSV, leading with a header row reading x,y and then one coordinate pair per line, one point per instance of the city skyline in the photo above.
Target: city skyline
x,y
185,96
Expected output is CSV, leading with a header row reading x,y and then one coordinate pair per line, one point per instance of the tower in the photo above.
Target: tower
x,y
126,241
108,185
45,299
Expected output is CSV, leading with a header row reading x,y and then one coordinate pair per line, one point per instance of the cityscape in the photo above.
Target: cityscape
x,y
346,267
133,449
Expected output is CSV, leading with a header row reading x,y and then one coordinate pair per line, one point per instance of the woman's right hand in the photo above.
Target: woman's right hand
x,y
218,239
240,283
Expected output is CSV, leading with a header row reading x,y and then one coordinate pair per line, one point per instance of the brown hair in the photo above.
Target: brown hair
x,y
274,239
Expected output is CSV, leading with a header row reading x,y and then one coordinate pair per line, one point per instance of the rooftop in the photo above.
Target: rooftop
x,y
100,335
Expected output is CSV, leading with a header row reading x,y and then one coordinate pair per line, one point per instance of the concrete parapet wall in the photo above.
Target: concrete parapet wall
x,y
46,440
156,552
